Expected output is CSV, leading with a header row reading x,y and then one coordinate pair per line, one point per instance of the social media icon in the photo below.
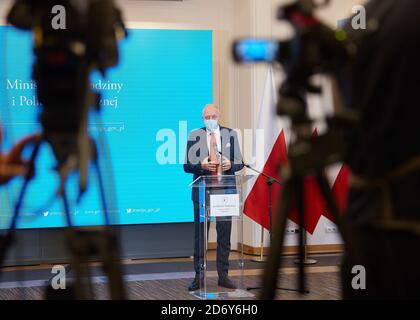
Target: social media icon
x,y
129,210
46,213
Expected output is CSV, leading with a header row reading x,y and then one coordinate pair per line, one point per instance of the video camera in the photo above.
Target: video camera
x,y
65,56
314,49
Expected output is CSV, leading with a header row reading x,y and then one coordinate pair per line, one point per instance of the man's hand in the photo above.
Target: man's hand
x,y
208,165
12,164
9,171
226,164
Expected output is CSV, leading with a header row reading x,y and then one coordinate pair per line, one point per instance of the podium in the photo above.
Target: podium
x,y
220,202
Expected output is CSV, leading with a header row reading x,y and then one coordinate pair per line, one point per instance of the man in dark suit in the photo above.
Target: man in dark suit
x,y
205,148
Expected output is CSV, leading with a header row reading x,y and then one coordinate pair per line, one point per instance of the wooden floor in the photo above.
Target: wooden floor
x,y
323,282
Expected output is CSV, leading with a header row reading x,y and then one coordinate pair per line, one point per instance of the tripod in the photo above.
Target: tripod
x,y
293,192
84,243
270,181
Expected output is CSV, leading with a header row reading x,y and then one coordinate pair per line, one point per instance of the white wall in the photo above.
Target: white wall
x,y
238,90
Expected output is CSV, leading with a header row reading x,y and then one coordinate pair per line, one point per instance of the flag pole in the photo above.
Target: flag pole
x,y
306,260
261,257
270,181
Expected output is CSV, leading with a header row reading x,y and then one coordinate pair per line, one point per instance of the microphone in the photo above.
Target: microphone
x,y
271,179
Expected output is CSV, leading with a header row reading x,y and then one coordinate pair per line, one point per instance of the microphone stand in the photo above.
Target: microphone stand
x,y
270,181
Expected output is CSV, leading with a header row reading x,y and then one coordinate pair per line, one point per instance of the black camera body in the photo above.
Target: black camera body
x,y
64,59
314,49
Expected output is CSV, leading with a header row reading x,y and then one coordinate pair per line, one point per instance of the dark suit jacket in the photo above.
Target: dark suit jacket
x,y
197,151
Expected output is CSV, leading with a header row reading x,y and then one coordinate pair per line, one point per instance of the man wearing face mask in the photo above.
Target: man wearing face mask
x,y
212,150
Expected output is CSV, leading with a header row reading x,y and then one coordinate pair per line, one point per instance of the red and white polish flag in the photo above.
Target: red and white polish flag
x,y
271,150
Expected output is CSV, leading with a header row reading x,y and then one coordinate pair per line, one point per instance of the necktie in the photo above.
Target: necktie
x,y
213,148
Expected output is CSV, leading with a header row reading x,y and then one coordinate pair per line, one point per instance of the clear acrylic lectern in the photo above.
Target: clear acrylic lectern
x,y
220,202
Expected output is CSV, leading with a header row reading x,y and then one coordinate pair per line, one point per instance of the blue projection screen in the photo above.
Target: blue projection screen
x,y
150,102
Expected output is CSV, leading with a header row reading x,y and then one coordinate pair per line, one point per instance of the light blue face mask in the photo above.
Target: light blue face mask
x,y
211,125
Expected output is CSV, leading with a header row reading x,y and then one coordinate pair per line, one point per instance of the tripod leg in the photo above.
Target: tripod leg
x,y
102,191
273,262
82,289
7,239
301,215
28,178
112,266
78,249
66,207
79,246
352,246
110,249
326,193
